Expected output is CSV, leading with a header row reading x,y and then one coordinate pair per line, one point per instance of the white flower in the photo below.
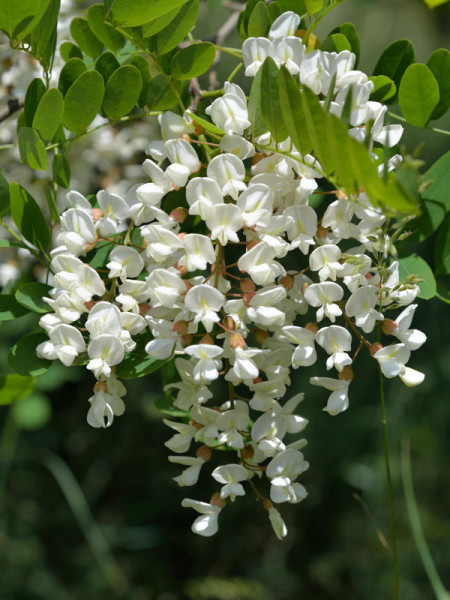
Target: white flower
x,y
324,295
256,204
224,222
124,262
204,301
184,161
282,471
229,112
202,194
338,400
284,25
238,145
207,524
190,475
278,525
304,354
207,368
104,351
317,70
181,441
411,377
287,51
229,172
302,227
336,341
254,53
174,126
165,287
104,406
361,305
230,475
104,318
325,259
412,338
66,343
392,359
259,264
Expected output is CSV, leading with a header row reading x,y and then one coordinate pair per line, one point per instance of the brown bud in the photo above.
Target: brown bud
x,y
193,423
97,214
187,339
374,348
247,298
181,269
207,339
100,386
144,308
341,195
388,326
257,157
216,500
179,214
247,286
322,232
187,138
287,282
312,327
180,327
260,335
204,452
252,244
237,341
248,451
257,380
346,374
304,286
267,504
89,305
188,284
229,323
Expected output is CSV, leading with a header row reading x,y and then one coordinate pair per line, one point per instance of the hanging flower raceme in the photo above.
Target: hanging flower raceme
x,y
209,285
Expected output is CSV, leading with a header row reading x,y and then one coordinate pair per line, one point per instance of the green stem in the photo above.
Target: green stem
x,y
403,120
389,490
235,71
210,94
6,146
231,51
319,18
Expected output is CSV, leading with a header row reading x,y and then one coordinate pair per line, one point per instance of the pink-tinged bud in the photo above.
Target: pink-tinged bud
x,y
181,269
368,276
229,323
187,339
187,138
257,380
287,282
247,298
144,308
216,500
267,504
247,286
257,157
237,341
247,451
252,244
97,214
322,232
207,339
89,305
188,284
341,195
193,423
260,335
180,236
204,452
374,348
346,374
305,286
100,386
312,327
388,326
180,327
179,214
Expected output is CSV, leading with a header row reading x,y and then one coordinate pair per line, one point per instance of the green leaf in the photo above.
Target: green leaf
x,y
271,108
160,95
98,257
434,3
435,200
49,114
207,126
313,6
22,357
73,68
122,91
335,42
297,6
442,249
85,38
42,40
293,114
83,100
11,244
32,149
61,170
394,61
30,295
158,24
142,64
193,60
51,203
254,107
18,19
15,387
259,21
138,363
28,217
69,50
109,37
414,265
106,64
10,309
179,27
132,13
439,65
35,91
418,94
32,412
384,89
4,196
348,29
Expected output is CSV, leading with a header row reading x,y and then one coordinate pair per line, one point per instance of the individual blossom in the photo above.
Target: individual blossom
x,y
230,476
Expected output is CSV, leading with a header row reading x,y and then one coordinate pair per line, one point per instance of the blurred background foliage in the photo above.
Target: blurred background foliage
x,y
88,514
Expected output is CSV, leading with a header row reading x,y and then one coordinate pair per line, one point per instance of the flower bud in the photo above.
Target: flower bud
x,y
180,236
179,214
237,341
267,504
312,327
216,500
100,386
346,374
97,214
247,286
287,282
182,270
260,335
374,348
207,339
144,308
187,339
257,157
204,452
89,305
322,232
193,423
229,323
388,326
180,327
252,244
247,451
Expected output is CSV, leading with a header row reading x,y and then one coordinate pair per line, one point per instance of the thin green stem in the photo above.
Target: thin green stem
x,y
319,18
403,120
231,51
389,491
6,146
210,94
235,71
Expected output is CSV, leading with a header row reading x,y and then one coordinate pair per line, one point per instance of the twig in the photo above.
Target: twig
x,y
196,93
220,38
13,106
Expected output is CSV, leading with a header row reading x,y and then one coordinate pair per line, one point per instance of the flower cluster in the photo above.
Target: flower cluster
x,y
203,260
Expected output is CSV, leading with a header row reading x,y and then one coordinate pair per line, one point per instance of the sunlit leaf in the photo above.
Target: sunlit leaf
x,y
418,94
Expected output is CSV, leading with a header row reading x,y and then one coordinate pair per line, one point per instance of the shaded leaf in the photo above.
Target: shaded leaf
x,y
439,65
139,363
35,91
254,103
85,38
107,35
106,64
42,39
15,387
160,95
49,114
122,91
193,61
28,216
4,196
271,108
259,21
69,50
22,356
83,100
73,68
293,114
10,309
384,89
30,295
32,149
32,412
394,60
442,250
348,29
